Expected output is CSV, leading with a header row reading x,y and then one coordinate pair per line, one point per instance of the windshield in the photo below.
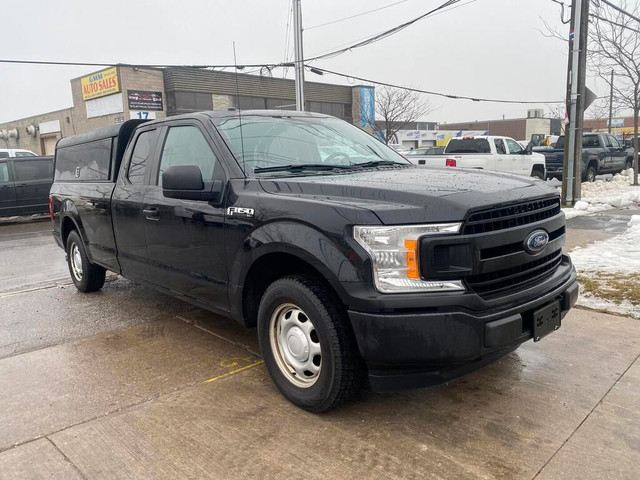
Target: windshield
x,y
268,142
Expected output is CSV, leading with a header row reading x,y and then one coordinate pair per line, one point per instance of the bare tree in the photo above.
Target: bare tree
x,y
614,45
397,108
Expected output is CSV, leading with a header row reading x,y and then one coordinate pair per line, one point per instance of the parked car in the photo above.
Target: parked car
x,y
502,154
601,153
352,263
15,152
431,150
402,150
24,185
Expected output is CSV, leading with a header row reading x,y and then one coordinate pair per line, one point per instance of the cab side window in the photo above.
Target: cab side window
x,y
139,158
514,147
500,148
186,145
4,172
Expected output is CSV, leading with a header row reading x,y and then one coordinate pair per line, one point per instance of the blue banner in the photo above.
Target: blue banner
x,y
367,106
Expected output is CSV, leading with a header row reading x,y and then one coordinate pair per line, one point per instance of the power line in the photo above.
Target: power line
x,y
354,16
107,64
383,35
428,92
615,7
364,38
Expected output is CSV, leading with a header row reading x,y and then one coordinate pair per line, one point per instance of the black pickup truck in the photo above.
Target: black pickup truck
x,y
351,262
601,153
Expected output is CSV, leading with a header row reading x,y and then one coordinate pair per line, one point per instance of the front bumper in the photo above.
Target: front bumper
x,y
430,346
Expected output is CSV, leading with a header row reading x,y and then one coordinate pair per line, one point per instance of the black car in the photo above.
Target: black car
x,y
351,262
24,185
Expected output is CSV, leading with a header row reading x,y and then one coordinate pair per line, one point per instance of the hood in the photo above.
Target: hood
x,y
413,194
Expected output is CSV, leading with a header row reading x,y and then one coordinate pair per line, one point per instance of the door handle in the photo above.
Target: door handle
x,y
151,214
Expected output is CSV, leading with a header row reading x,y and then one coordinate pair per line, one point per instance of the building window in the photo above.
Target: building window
x,y
195,101
250,103
280,104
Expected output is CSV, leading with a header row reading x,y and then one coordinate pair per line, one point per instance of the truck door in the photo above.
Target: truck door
x,y
185,238
7,190
520,162
617,154
33,179
503,164
126,203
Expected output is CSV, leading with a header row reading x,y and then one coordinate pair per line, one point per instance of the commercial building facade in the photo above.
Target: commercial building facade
x,y
118,93
516,128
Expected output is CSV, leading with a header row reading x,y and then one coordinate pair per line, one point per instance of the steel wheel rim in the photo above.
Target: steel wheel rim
x,y
76,262
592,176
295,345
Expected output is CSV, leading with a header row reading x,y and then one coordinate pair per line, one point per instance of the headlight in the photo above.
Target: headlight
x,y
394,254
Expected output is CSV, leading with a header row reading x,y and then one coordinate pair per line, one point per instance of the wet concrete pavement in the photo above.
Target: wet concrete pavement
x,y
129,383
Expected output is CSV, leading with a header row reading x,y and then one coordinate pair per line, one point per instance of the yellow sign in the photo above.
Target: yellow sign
x,y
100,84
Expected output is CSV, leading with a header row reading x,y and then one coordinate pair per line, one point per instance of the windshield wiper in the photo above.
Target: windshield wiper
x,y
318,167
375,163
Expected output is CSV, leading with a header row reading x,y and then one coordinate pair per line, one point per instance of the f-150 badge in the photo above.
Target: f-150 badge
x,y
247,212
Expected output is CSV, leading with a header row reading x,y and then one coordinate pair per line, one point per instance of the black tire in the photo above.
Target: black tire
x,y
86,276
340,366
628,164
591,174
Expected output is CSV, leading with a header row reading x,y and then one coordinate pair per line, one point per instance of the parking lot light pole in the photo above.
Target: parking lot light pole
x,y
299,57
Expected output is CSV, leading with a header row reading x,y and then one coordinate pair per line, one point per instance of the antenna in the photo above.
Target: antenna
x,y
235,63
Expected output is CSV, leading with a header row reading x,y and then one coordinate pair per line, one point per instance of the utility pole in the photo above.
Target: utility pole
x,y
611,102
299,57
572,164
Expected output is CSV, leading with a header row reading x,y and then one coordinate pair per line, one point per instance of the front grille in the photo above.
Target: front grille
x,y
488,284
501,218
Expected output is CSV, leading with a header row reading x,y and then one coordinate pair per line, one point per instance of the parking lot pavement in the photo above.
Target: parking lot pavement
x,y
29,256
596,227
128,383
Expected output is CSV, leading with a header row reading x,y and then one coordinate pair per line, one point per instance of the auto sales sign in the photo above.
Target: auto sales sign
x,y
100,84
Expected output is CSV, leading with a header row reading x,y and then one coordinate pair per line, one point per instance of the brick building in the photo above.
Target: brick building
x,y
516,128
118,93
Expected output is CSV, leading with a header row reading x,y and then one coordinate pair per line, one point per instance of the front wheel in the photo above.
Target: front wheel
x,y
628,164
86,276
307,344
591,174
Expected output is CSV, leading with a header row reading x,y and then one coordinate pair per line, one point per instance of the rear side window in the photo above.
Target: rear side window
x,y
4,154
500,148
27,170
185,145
468,145
89,161
25,154
4,172
590,141
140,157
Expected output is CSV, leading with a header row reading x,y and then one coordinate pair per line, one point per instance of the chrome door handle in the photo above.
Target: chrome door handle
x,y
151,214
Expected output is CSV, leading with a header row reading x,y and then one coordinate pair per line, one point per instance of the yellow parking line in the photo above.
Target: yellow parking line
x,y
233,372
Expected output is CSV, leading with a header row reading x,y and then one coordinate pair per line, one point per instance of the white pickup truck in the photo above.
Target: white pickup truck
x,y
487,152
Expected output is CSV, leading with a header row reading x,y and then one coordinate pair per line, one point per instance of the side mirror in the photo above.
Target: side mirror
x,y
185,182
529,149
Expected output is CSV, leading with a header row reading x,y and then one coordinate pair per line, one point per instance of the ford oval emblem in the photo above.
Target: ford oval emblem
x,y
536,241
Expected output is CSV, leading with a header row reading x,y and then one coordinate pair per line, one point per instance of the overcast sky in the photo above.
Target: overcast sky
x,y
483,48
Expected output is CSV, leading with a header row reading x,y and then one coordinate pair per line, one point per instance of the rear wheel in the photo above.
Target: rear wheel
x,y
307,344
86,276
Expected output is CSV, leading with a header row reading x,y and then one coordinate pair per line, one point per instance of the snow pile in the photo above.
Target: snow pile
x,y
617,255
620,254
600,195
